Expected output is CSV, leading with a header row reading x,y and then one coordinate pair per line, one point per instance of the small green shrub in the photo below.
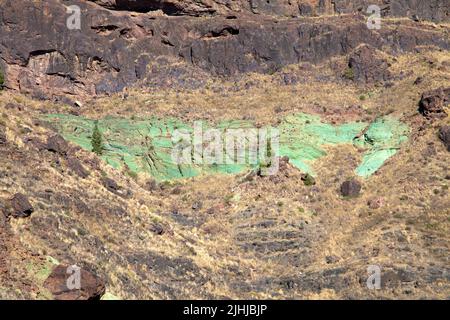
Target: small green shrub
x,y
349,74
2,79
228,199
97,140
308,180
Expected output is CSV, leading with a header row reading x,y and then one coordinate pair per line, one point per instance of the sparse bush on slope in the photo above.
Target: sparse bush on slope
x,y
2,79
97,141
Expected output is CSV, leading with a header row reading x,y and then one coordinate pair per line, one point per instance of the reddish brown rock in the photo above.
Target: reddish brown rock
x,y
433,102
20,206
75,165
351,188
111,185
367,65
63,285
57,144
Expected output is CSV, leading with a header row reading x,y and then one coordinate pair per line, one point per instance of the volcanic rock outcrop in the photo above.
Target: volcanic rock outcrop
x,y
64,285
20,206
115,49
433,103
350,188
367,67
436,10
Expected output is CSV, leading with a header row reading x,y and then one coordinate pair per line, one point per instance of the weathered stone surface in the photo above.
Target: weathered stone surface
x,y
57,144
367,66
113,187
433,102
110,184
114,50
75,165
157,228
20,206
91,287
351,188
169,7
444,135
218,7
435,10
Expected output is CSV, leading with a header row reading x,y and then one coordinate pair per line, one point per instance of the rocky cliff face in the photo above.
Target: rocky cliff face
x,y
436,10
116,49
292,65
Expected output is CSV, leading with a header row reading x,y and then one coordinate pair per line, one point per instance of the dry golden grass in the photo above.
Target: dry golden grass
x,y
414,189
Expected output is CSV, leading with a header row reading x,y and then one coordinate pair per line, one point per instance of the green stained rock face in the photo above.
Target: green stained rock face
x,y
302,137
146,145
383,139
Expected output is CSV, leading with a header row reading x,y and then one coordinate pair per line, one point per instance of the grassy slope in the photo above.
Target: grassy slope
x,y
251,237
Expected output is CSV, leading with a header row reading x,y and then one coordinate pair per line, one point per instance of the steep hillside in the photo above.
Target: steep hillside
x,y
363,175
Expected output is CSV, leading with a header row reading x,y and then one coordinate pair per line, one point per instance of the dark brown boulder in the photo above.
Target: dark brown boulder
x,y
157,228
433,102
75,165
367,65
57,144
444,135
305,9
63,285
113,187
20,206
351,188
110,184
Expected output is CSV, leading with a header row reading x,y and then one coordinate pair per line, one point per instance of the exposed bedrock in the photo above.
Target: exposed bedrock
x,y
116,49
435,10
